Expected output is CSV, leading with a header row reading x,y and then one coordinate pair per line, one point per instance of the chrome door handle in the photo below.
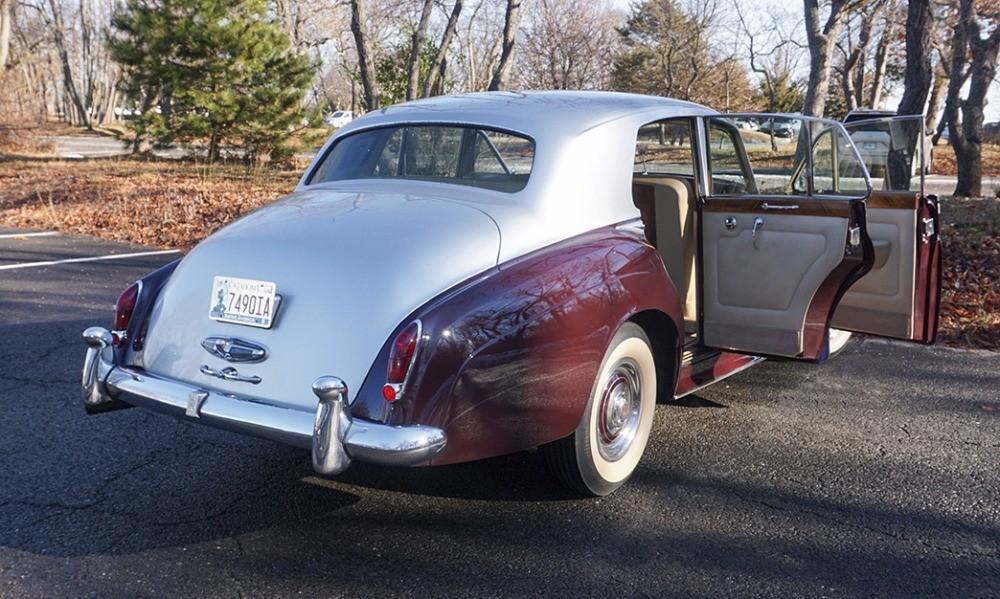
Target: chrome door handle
x,y
767,206
229,374
757,224
731,223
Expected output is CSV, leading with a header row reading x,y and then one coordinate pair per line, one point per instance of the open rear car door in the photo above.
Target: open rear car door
x,y
784,235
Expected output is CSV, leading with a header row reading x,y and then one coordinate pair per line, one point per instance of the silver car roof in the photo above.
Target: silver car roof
x,y
534,113
581,178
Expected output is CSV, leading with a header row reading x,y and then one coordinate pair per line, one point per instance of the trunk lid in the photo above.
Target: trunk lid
x,y
348,267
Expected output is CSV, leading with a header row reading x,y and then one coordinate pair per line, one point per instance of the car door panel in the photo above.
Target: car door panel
x,y
772,293
757,295
899,297
881,302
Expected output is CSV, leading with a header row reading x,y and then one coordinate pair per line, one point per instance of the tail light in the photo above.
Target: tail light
x,y
401,355
123,312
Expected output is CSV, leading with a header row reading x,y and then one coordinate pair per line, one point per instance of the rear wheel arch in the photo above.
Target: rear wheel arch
x,y
667,347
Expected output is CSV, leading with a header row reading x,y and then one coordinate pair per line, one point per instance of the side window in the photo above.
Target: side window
x,y
727,159
665,148
388,160
836,169
784,155
893,150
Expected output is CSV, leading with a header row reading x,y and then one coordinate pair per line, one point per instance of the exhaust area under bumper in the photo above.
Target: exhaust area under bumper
x,y
335,438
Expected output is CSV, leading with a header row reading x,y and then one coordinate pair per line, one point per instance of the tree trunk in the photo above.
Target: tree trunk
x,y
511,22
917,81
966,132
6,16
437,71
419,34
849,78
822,41
83,118
916,88
360,31
878,75
934,104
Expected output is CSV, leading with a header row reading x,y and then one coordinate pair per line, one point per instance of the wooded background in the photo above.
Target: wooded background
x,y
937,57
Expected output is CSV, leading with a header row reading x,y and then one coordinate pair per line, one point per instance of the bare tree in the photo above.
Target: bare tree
x,y
857,52
561,51
822,37
478,45
769,49
59,32
876,92
966,128
417,42
359,28
512,20
436,71
6,16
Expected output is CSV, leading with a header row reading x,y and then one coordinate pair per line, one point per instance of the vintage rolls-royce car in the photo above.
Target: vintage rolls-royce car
x,y
463,277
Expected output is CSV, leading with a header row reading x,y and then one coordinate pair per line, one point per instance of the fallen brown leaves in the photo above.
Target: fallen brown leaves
x,y
970,295
176,205
943,162
173,205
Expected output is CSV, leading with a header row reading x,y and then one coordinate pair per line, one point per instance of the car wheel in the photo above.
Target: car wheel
x,y
838,340
605,448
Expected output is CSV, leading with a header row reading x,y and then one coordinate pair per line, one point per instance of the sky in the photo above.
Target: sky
x,y
992,111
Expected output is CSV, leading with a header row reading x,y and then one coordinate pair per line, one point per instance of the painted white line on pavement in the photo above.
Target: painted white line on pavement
x,y
88,259
16,235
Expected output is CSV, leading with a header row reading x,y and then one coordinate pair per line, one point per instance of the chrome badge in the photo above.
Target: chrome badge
x,y
234,350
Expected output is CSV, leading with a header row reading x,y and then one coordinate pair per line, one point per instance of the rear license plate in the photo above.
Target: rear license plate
x,y
868,145
243,301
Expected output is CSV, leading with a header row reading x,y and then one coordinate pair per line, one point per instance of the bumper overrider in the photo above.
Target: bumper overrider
x,y
334,436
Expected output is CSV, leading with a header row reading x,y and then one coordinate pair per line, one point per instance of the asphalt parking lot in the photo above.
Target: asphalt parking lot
x,y
876,474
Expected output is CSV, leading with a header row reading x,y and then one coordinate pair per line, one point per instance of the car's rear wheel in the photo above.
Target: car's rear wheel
x,y
838,340
604,450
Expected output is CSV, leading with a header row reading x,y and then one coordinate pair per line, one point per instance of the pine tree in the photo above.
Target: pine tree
x,y
218,72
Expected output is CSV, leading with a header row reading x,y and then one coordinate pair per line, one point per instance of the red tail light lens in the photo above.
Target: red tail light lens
x,y
123,311
401,354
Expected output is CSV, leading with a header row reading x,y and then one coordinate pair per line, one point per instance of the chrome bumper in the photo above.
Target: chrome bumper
x,y
333,435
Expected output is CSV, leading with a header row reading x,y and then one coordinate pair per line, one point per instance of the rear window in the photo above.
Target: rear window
x,y
462,155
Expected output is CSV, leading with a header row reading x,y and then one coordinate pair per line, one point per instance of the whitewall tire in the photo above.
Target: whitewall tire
x,y
606,447
838,340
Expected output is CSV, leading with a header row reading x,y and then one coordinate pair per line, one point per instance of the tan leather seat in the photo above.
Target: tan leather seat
x,y
675,238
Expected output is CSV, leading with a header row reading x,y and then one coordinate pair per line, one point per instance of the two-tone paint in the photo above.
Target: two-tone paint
x,y
517,296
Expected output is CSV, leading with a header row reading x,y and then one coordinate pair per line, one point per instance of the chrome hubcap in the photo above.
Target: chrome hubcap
x,y
619,410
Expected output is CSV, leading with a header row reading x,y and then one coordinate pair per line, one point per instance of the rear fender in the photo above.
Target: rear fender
x,y
507,360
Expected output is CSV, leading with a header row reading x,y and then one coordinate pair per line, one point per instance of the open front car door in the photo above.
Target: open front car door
x,y
784,236
899,297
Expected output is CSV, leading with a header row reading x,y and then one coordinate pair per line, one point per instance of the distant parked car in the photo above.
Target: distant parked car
x,y
871,132
339,118
778,127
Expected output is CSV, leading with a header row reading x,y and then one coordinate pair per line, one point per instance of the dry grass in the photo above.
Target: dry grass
x,y
177,204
